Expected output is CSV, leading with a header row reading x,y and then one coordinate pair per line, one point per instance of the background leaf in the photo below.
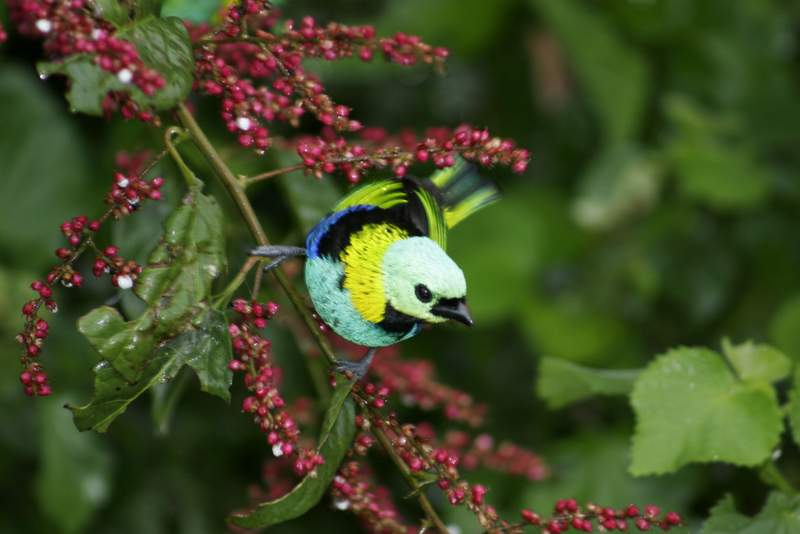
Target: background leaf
x,y
690,408
779,516
338,431
561,382
615,78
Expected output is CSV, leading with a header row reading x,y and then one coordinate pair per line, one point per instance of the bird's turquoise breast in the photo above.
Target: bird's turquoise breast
x,y
324,277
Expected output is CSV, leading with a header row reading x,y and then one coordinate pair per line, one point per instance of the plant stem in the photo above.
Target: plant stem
x,y
772,476
234,186
424,503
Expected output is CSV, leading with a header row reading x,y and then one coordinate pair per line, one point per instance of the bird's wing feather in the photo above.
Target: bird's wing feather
x,y
384,194
424,211
463,191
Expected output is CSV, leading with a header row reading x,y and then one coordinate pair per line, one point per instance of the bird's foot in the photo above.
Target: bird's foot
x,y
281,253
359,368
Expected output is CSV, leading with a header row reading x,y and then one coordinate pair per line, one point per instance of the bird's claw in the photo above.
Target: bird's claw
x,y
358,368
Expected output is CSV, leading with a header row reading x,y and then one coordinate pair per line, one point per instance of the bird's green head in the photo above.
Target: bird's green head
x,y
420,280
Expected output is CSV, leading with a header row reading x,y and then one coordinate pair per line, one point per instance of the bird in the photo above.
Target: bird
x,y
377,269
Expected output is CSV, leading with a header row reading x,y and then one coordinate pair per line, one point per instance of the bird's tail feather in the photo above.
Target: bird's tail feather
x,y
463,191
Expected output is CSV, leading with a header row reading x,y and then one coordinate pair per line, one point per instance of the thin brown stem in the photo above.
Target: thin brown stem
x,y
422,499
272,174
236,190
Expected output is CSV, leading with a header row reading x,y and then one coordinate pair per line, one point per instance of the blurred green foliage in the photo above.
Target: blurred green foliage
x,y
660,209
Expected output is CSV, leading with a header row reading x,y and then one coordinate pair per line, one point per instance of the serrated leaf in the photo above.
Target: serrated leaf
x,y
162,44
780,515
561,382
756,361
207,350
179,327
176,285
338,431
126,345
690,408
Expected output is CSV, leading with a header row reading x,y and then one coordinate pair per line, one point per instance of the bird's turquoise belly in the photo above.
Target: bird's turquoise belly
x,y
332,302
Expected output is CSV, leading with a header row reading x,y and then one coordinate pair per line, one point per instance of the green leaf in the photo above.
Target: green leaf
x,y
195,11
756,361
793,409
785,328
691,408
178,327
310,199
74,475
571,328
781,515
148,8
114,12
162,44
591,466
614,76
176,285
712,165
126,345
525,230
623,181
338,431
207,350
39,151
561,382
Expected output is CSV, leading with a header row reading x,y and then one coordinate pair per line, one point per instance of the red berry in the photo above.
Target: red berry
x,y
531,517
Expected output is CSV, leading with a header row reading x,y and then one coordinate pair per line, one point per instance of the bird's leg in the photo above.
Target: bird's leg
x,y
281,253
359,368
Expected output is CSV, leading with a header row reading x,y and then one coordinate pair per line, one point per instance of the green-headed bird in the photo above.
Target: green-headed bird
x,y
377,269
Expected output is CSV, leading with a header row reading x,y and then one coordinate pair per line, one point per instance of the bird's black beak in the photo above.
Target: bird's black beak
x,y
453,309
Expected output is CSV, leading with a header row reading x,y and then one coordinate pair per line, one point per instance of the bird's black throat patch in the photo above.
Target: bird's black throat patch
x,y
398,323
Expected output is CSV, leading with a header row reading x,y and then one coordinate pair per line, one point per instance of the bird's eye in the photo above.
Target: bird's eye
x,y
423,293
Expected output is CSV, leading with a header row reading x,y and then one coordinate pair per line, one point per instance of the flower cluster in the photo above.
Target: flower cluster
x,y
71,28
481,451
330,153
569,515
354,489
3,34
417,382
129,190
248,48
262,377
124,197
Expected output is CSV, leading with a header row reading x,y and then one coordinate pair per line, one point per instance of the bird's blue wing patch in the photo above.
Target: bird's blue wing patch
x,y
326,225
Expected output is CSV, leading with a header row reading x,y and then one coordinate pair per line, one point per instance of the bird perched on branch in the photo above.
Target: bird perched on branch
x,y
377,269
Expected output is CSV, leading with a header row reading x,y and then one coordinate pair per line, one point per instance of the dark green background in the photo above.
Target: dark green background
x,y
660,208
